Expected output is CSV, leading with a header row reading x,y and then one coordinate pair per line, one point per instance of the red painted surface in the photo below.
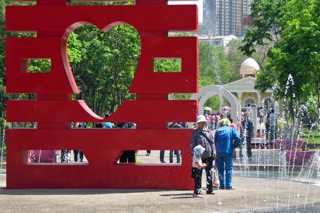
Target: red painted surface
x,y
54,108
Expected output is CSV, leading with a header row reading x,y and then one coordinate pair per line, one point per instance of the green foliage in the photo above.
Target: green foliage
x,y
104,64
39,65
266,25
215,69
167,65
293,26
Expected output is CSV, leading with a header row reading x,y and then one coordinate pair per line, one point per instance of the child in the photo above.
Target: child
x,y
197,166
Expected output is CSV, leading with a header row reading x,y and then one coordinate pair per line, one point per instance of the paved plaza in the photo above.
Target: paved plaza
x,y
257,190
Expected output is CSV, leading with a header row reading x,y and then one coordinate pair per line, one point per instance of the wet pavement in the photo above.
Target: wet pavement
x,y
259,188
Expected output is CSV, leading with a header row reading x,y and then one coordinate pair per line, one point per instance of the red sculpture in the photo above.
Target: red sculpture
x,y
54,108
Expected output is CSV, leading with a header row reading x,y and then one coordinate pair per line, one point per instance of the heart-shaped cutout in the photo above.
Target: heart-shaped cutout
x,y
103,65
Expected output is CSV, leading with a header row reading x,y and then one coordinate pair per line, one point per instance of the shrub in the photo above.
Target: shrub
x,y
289,144
299,157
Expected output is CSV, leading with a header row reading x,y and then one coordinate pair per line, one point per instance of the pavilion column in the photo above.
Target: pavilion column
x,y
240,97
259,99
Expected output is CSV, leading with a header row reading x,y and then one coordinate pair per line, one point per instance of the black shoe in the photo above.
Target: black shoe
x,y
162,161
210,193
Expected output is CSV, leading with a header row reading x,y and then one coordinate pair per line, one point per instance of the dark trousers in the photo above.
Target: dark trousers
x,y
209,170
197,175
162,155
65,156
76,154
177,153
267,131
128,156
272,133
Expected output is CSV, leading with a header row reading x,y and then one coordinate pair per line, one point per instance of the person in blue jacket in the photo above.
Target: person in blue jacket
x,y
225,139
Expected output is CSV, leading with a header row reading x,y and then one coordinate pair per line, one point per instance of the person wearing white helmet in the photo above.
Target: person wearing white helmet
x,y
202,136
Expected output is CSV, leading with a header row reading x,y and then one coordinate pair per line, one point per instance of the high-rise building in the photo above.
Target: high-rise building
x,y
225,17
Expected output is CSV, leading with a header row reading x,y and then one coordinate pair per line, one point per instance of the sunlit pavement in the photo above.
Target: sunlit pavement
x,y
256,191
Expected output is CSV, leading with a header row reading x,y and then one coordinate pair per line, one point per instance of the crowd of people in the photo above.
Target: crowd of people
x,y
128,156
213,146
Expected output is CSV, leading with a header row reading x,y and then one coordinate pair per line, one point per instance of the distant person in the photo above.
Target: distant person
x,y
267,125
183,124
99,125
162,152
212,119
203,136
246,134
225,139
78,154
273,125
148,153
107,125
261,115
128,156
216,120
176,152
197,166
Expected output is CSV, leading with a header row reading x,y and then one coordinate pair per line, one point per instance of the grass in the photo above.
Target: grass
x,y
312,137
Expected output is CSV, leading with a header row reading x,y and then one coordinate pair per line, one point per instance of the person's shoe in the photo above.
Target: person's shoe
x,y
210,193
147,154
232,188
162,161
171,161
221,188
197,195
178,161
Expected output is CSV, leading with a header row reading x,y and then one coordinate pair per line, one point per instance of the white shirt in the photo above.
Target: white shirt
x,y
195,160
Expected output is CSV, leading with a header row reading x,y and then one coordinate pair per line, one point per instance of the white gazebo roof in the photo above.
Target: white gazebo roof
x,y
242,85
249,66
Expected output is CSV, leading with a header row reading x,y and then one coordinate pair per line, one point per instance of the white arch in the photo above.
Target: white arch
x,y
248,98
209,91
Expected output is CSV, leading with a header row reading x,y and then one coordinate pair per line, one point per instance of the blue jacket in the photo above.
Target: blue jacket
x,y
225,139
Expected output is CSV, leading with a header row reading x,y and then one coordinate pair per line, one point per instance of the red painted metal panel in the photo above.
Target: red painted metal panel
x,y
102,148
159,82
150,18
59,80
54,107
69,111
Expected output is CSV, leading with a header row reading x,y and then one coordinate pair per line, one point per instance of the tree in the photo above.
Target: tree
x,y
104,64
297,52
292,27
214,69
